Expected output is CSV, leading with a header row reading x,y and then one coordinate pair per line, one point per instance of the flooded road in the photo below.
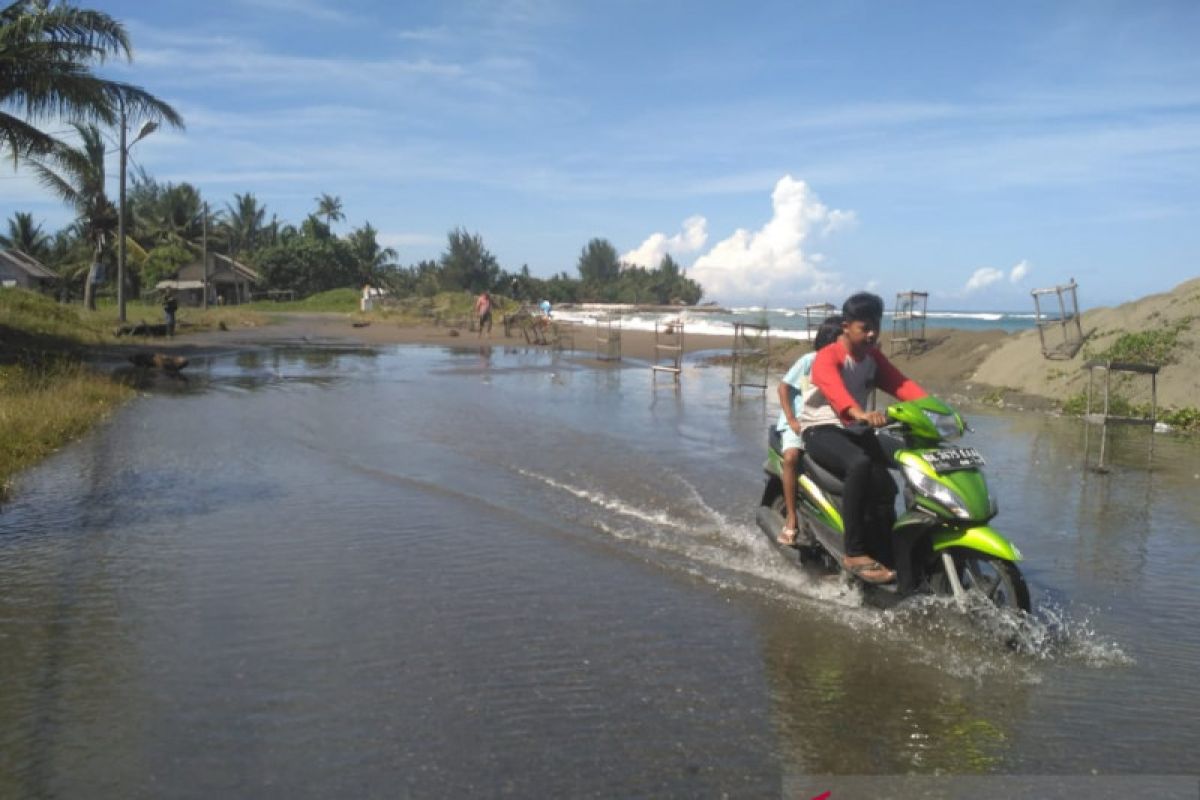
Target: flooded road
x,y
426,572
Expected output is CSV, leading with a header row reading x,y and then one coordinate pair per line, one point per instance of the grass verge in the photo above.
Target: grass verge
x,y
46,403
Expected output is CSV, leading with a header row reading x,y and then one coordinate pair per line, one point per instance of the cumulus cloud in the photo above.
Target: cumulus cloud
x,y
982,278
988,276
650,253
775,261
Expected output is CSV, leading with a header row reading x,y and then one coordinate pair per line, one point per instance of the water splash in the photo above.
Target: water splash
x,y
973,641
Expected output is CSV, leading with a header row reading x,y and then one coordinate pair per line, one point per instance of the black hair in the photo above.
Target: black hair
x,y
829,331
864,307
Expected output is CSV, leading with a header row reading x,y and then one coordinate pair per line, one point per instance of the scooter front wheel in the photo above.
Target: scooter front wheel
x,y
998,580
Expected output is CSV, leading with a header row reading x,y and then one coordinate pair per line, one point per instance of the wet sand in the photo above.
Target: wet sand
x,y
945,364
1008,369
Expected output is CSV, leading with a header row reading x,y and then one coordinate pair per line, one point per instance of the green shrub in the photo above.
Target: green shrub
x,y
1184,419
1156,346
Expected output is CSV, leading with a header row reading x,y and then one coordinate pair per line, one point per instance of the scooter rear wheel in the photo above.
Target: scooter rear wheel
x,y
998,580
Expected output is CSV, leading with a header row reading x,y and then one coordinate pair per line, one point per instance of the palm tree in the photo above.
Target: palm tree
x,y
26,235
46,54
170,213
76,175
44,57
313,228
330,208
369,257
243,223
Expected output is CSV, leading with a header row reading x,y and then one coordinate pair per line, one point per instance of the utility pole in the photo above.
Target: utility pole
x,y
147,129
121,220
204,254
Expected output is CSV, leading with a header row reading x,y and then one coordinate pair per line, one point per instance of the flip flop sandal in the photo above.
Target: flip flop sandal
x,y
787,537
857,571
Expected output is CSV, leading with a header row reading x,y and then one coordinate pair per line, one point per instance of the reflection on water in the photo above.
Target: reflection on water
x,y
503,570
933,723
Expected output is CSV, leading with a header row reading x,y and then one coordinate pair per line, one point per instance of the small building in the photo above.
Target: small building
x,y
229,282
19,269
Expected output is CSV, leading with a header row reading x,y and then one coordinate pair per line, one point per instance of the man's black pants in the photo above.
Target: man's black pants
x,y
860,461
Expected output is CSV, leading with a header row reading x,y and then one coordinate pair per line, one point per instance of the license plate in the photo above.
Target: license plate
x,y
952,458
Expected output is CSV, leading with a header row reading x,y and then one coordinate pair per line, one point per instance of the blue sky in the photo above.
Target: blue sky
x,y
784,153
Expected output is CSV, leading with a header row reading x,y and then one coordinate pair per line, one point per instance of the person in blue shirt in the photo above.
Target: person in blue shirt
x,y
545,307
791,397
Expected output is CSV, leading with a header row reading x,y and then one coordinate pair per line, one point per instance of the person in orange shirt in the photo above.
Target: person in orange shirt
x,y
838,431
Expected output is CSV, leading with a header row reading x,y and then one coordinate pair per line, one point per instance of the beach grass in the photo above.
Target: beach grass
x,y
44,404
335,300
47,396
188,318
443,308
38,323
30,316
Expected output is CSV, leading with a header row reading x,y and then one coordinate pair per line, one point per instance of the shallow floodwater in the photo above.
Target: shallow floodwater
x,y
480,572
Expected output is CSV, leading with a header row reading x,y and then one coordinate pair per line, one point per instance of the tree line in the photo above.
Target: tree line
x,y
466,264
47,59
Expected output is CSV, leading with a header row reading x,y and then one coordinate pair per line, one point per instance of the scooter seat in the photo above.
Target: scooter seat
x,y
821,476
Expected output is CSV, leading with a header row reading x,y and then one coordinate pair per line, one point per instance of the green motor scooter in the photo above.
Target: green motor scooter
x,y
941,543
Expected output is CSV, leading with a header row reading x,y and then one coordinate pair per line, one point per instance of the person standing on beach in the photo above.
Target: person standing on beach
x,y
170,306
791,397
843,375
483,310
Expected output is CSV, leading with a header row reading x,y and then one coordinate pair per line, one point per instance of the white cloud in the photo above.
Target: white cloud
x,y
988,276
773,262
982,278
1019,271
840,220
690,239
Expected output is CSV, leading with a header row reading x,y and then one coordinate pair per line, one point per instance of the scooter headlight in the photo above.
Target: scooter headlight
x,y
938,491
948,426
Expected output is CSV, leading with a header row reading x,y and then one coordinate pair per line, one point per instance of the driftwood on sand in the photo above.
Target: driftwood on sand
x,y
163,361
143,329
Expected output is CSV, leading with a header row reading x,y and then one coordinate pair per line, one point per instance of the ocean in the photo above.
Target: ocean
x,y
787,323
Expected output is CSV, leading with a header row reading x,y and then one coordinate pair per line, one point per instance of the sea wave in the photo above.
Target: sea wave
x,y
984,315
785,323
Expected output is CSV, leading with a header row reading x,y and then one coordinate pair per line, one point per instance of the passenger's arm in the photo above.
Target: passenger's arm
x,y
786,390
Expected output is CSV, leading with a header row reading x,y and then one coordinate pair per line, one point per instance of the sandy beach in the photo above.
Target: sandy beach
x,y
1006,369
950,356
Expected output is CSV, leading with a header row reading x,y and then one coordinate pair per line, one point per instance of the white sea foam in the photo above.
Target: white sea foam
x,y
701,324
988,316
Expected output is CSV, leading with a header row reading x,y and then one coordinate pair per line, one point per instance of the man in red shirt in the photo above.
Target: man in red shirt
x,y
838,431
